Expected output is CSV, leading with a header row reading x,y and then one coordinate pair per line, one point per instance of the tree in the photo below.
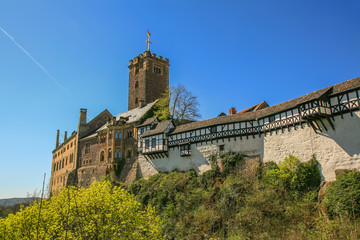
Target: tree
x,y
101,211
179,104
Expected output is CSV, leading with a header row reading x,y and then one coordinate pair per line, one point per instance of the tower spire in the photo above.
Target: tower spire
x,y
148,41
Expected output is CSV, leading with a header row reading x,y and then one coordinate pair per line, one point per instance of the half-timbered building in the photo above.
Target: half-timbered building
x,y
324,123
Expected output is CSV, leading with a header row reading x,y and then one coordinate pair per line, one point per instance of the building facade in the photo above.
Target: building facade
x,y
107,145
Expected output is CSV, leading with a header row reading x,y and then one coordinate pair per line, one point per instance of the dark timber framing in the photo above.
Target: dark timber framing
x,y
312,112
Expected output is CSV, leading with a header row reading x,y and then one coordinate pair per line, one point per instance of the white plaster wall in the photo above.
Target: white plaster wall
x,y
199,156
197,160
339,149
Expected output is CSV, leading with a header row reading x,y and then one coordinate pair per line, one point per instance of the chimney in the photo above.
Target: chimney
x,y
57,138
65,136
82,119
232,111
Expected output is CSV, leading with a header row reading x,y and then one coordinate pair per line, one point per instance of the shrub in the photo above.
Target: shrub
x,y
98,212
342,196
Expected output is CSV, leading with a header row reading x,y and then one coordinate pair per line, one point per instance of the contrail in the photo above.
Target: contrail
x,y
35,61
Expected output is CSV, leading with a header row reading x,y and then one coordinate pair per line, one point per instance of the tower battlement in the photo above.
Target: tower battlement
x,y
147,55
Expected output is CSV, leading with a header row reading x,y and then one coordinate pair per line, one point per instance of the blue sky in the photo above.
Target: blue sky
x,y
228,53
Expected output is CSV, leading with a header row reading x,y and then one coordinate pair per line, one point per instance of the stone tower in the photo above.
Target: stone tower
x,y
148,79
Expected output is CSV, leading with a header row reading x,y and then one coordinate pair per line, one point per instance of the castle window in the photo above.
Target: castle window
x,y
54,167
63,163
185,150
71,158
136,69
157,69
102,156
117,154
109,154
68,147
130,134
71,144
271,118
136,84
136,101
87,148
110,135
213,129
221,148
118,135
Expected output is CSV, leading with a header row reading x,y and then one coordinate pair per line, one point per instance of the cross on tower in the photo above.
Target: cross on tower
x,y
148,41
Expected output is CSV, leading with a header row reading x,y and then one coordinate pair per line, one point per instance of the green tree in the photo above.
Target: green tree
x,y
98,212
179,104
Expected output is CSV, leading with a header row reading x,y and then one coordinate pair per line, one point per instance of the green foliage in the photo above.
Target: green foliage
x,y
162,106
120,166
295,176
98,212
342,197
227,204
231,162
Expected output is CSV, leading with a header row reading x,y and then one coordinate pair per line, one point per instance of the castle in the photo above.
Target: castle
x,y
133,144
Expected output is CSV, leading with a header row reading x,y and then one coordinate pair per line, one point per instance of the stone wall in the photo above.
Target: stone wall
x,y
339,149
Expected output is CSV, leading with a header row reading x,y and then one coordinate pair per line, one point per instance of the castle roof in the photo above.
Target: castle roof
x,y
132,115
330,91
147,121
160,128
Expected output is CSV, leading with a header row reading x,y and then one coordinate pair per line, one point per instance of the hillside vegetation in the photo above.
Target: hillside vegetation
x,y
234,200
270,201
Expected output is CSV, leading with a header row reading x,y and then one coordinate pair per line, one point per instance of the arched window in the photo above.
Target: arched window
x,y
102,156
136,84
109,154
117,154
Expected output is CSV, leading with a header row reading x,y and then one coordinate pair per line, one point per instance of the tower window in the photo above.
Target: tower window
x,y
137,69
136,101
136,84
87,148
102,156
157,69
